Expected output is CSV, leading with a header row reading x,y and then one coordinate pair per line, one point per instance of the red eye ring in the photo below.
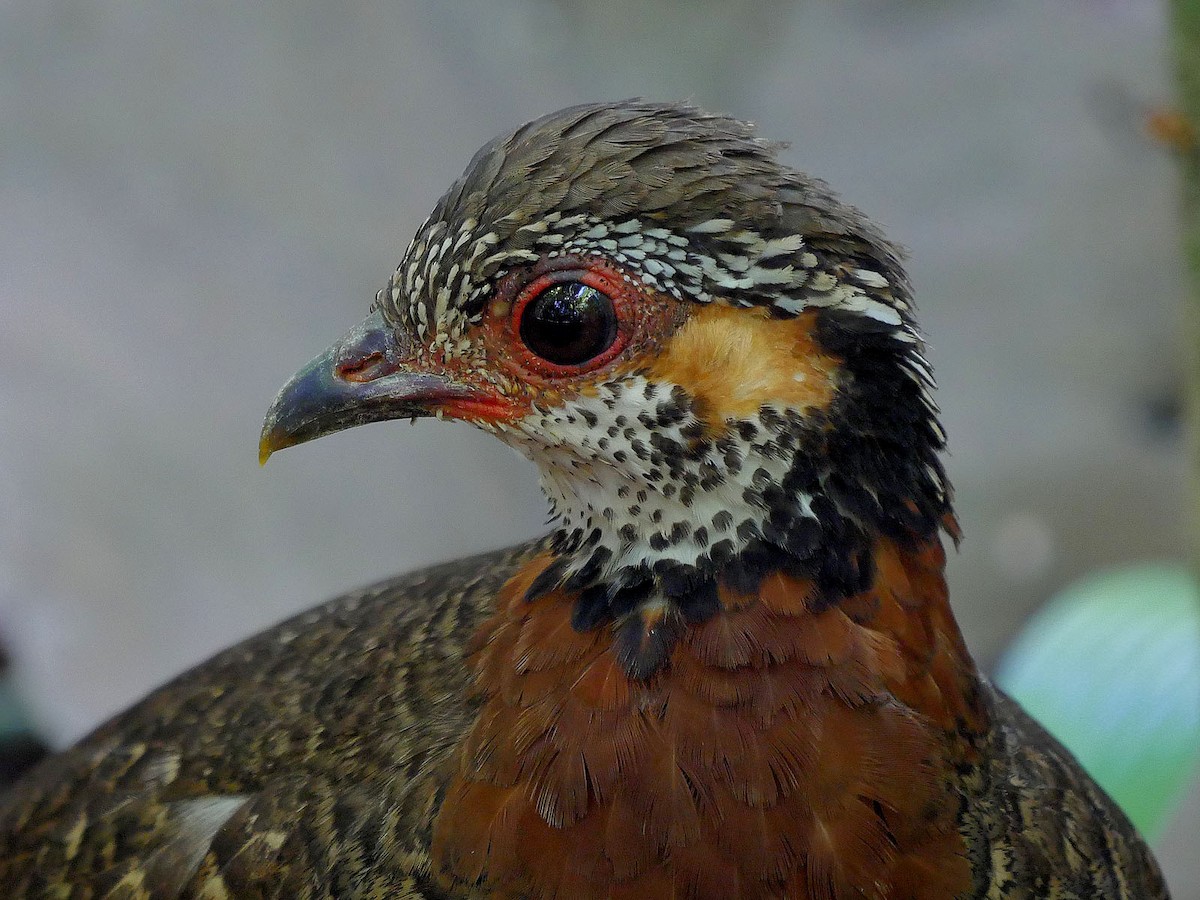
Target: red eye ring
x,y
611,284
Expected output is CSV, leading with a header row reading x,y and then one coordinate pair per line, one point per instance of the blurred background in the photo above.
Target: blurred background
x,y
197,198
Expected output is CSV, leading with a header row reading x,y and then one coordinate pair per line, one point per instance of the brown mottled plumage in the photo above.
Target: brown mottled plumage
x,y
732,669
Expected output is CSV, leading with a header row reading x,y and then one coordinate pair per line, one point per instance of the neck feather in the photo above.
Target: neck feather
x,y
785,744
655,509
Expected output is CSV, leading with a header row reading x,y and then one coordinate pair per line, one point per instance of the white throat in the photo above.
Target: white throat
x,y
637,476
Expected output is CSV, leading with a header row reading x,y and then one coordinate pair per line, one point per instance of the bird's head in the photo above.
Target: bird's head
x,y
710,358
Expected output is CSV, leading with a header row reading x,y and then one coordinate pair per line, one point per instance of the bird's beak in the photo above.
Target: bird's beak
x,y
367,376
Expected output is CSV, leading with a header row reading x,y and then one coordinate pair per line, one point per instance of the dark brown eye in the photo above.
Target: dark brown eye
x,y
569,323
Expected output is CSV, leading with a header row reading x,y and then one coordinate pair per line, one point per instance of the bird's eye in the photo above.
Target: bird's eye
x,y
569,323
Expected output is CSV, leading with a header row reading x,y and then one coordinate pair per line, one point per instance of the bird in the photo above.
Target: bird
x,y
729,670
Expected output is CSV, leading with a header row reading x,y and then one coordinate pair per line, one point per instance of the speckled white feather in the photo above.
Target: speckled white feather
x,y
587,452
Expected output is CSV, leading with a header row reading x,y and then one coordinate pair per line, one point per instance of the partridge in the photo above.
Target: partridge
x,y
731,669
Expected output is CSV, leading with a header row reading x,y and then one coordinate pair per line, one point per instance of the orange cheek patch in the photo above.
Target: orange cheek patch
x,y
734,361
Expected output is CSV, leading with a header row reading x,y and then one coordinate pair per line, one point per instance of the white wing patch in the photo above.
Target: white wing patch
x,y
196,822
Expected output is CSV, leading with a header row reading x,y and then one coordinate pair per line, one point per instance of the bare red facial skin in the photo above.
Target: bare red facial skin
x,y
644,317
516,376
599,276
484,406
374,356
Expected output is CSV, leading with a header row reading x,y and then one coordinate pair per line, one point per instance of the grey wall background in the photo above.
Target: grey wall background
x,y
196,198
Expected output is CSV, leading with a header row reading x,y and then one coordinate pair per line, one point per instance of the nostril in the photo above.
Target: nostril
x,y
363,367
365,354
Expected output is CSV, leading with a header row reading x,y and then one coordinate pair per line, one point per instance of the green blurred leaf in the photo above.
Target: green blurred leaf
x,y
1111,666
